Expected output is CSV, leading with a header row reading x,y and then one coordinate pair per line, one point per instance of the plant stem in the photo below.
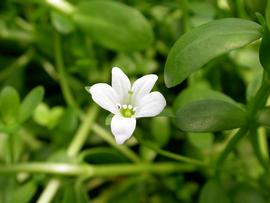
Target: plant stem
x,y
230,146
262,139
186,18
63,77
173,155
260,99
127,169
72,151
11,148
21,62
81,135
87,170
49,192
254,138
255,104
109,139
49,168
17,36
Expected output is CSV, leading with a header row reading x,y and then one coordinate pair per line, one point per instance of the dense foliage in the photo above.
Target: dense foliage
x,y
209,145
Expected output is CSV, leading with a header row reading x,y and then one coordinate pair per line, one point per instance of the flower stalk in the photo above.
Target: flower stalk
x,y
87,170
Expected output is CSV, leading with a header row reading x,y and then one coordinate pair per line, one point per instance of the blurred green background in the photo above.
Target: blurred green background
x,y
64,47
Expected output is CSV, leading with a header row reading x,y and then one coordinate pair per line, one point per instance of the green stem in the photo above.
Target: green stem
x,y
72,151
21,62
49,168
254,138
49,192
17,36
186,20
63,77
262,139
230,146
256,104
87,170
109,139
82,133
127,169
11,148
260,99
241,9
173,155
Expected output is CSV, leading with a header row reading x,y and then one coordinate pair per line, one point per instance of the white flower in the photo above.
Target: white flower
x,y
127,102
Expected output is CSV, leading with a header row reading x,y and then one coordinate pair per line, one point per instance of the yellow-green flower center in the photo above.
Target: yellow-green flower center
x,y
127,111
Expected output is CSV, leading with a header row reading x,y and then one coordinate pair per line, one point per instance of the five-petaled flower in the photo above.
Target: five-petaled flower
x,y
127,102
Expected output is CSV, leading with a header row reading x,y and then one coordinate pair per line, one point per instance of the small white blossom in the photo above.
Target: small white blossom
x,y
127,102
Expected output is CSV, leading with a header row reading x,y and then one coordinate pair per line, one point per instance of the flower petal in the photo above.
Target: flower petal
x,y
120,83
150,105
105,96
143,86
122,128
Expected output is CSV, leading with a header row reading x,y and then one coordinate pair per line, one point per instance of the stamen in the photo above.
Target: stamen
x,y
118,106
127,111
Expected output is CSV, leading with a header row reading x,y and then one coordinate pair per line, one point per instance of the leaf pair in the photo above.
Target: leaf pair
x,y
12,111
190,53
109,23
204,43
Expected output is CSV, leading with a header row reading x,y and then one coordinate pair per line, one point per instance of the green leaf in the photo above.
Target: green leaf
x,y
62,23
45,116
212,192
201,140
202,44
24,193
264,51
267,14
160,130
109,119
102,155
263,117
209,115
9,104
199,91
69,194
247,194
81,194
254,85
114,25
74,193
30,103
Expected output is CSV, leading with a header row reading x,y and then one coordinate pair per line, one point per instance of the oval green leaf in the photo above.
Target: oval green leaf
x,y
199,91
213,192
264,51
24,193
62,23
209,116
9,105
202,44
30,103
114,25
